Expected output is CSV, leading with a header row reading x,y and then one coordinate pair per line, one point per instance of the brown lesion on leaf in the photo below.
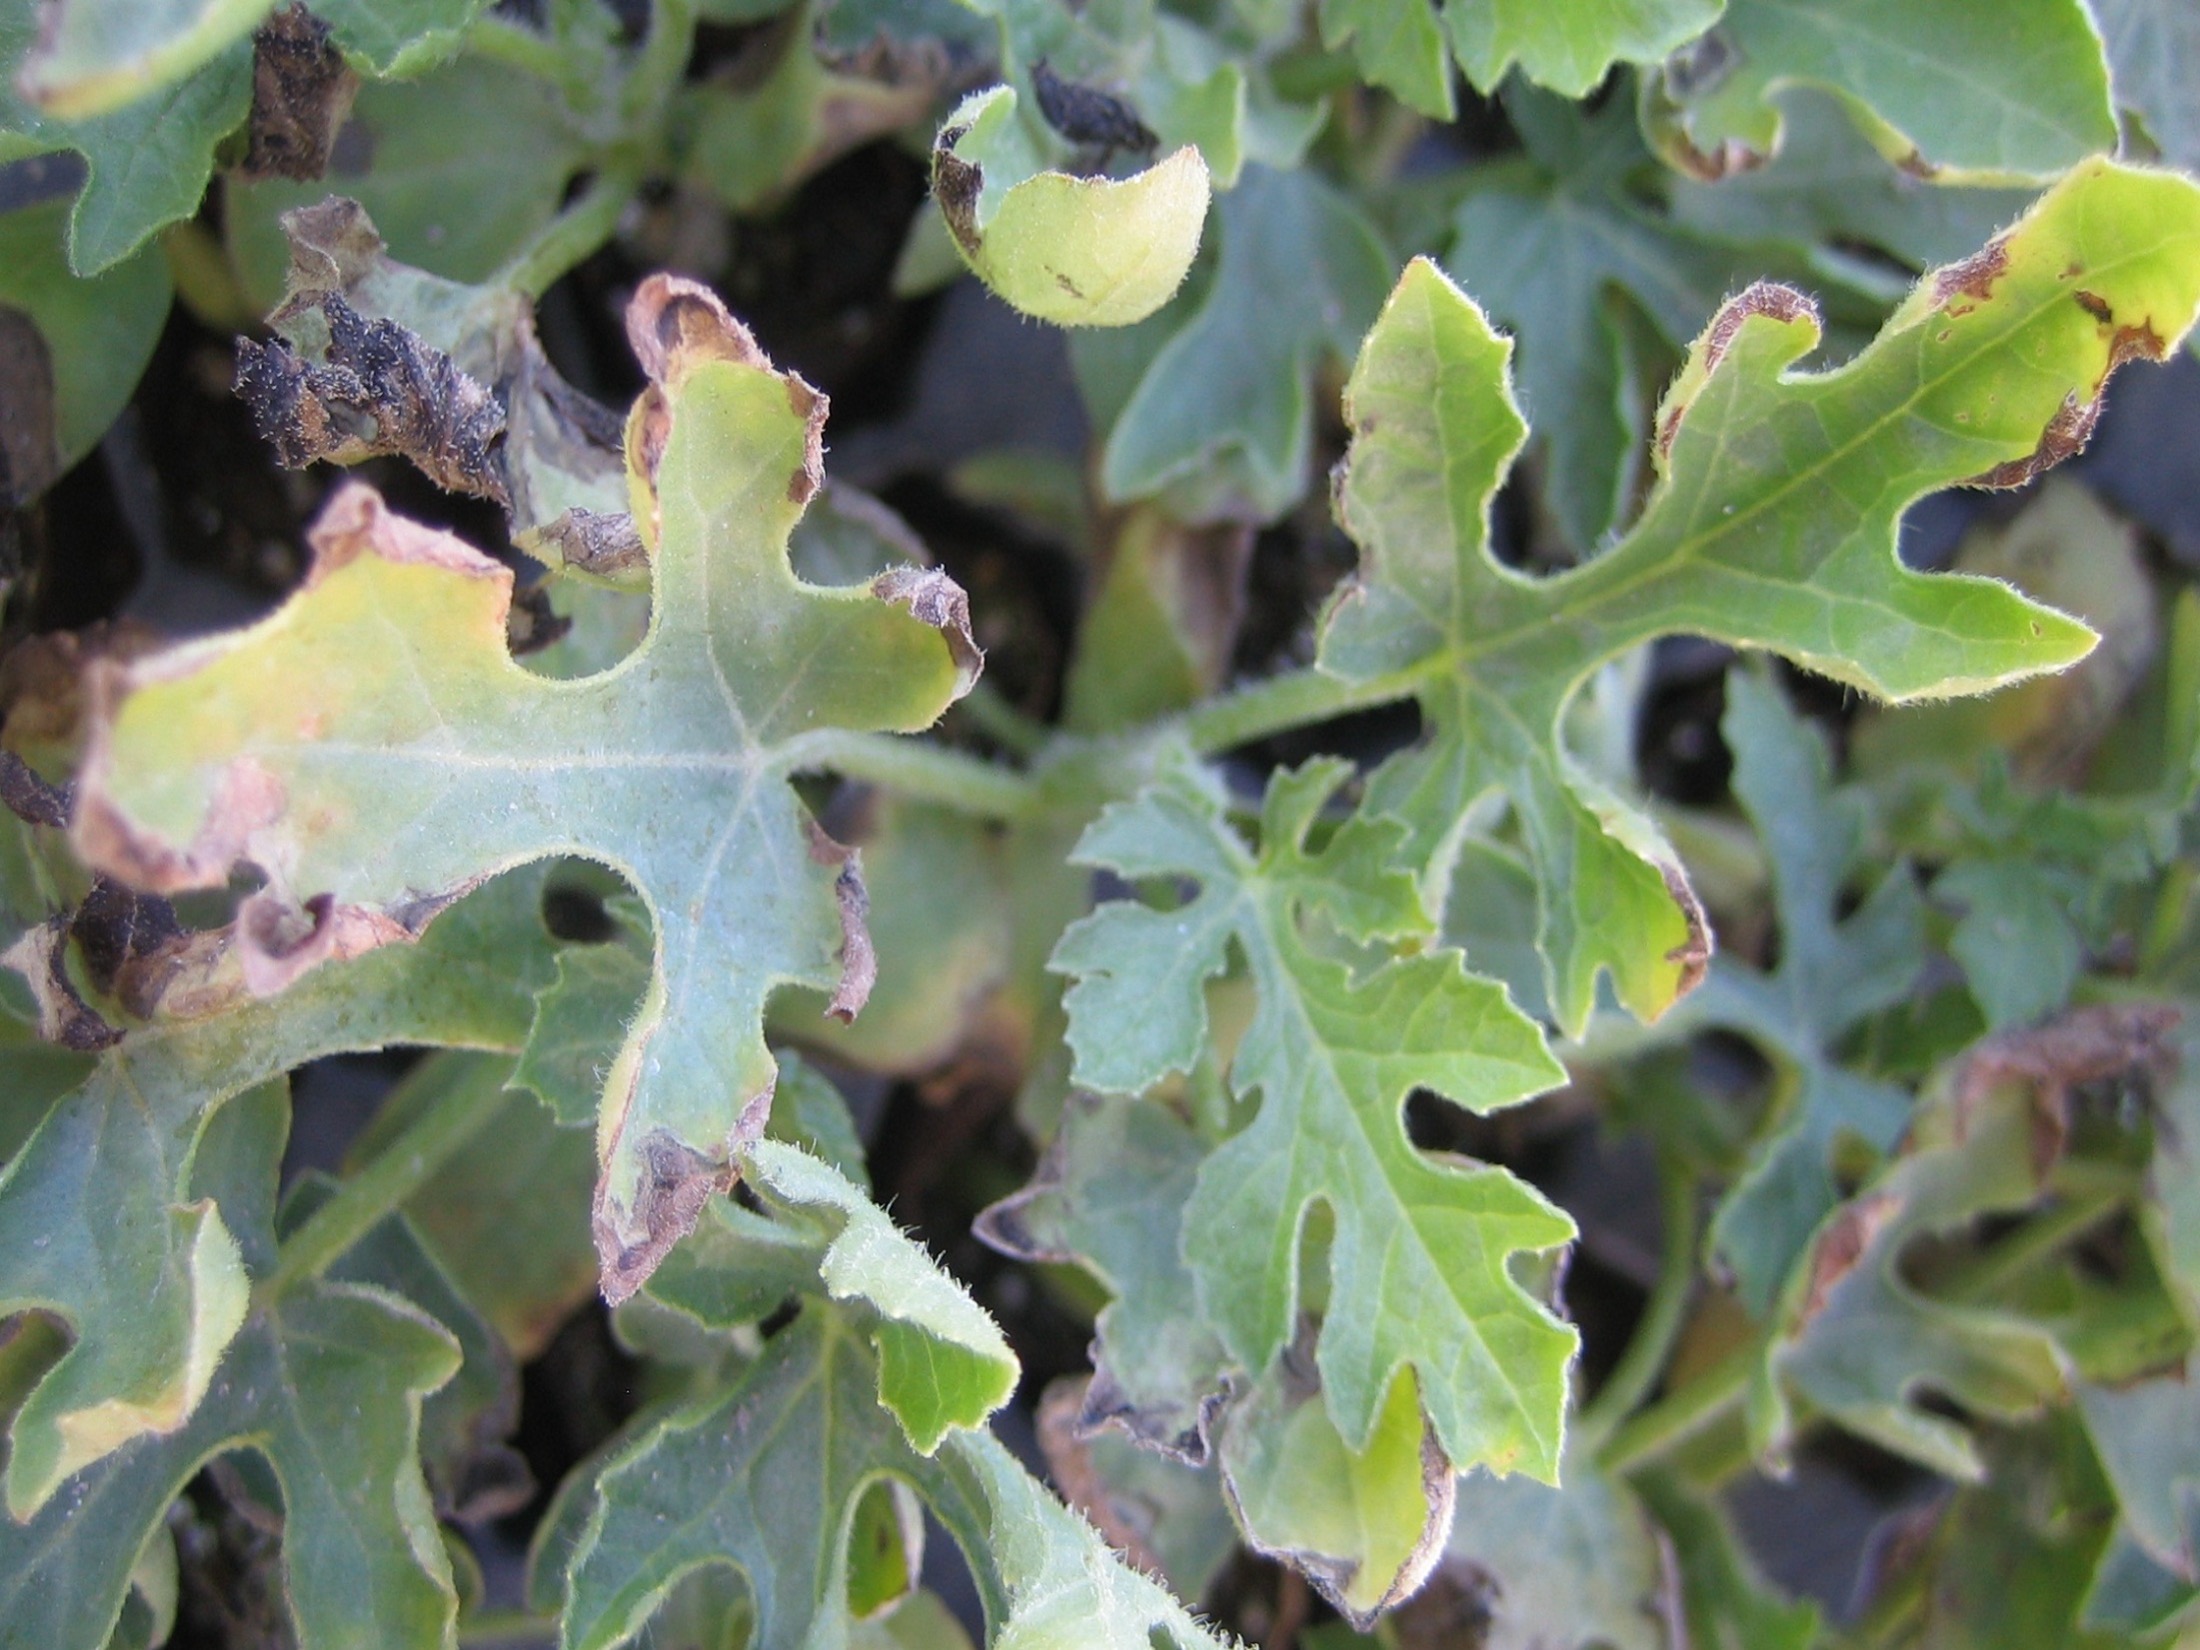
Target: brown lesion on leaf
x,y
1066,1443
278,940
2065,437
2093,1044
30,798
41,956
600,543
677,1182
249,797
1965,284
302,93
858,956
956,185
674,324
1772,299
381,392
932,598
2072,425
1842,1243
1693,955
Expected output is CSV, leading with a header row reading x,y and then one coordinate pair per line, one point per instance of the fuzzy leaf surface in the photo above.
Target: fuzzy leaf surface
x,y
2030,100
98,1219
1418,1260
1772,525
766,1479
374,742
1077,251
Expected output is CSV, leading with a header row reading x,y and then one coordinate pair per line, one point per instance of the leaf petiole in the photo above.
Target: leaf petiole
x,y
368,1197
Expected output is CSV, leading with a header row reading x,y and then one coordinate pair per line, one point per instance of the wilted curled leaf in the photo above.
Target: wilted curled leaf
x,y
1080,252
374,744
373,357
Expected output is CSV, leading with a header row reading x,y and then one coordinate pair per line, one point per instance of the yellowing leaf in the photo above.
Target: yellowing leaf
x,y
373,746
1080,252
1772,525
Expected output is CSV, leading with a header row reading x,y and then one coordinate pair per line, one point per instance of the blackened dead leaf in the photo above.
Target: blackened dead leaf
x,y
30,798
380,392
301,95
1084,114
41,956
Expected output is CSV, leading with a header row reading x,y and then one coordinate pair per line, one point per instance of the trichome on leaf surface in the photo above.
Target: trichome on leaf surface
x,y
518,956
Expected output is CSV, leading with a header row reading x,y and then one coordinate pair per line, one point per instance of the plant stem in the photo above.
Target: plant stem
x,y
493,1627
518,46
573,234
2037,1240
363,1201
924,772
1278,703
663,60
1680,1415
1644,1360
1002,722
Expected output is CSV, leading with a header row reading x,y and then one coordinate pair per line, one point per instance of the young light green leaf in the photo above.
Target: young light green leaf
x,y
1861,1344
98,1223
1364,1525
2031,100
942,1363
1771,526
1831,974
766,1478
1419,1257
1218,418
79,344
1080,252
325,1384
373,742
146,164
